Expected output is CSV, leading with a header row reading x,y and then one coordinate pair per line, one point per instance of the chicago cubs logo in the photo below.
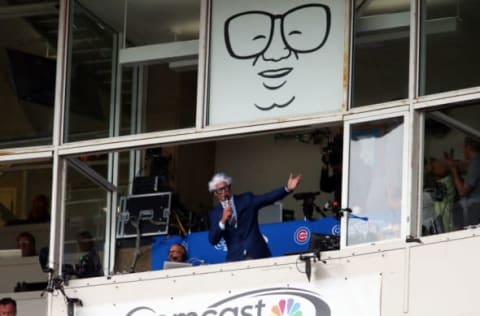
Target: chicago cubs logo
x,y
302,235
336,230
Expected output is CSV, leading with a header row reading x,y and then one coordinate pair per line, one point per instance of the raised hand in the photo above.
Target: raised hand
x,y
293,182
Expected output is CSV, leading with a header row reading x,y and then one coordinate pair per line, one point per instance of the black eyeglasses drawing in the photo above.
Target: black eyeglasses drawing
x,y
251,34
304,30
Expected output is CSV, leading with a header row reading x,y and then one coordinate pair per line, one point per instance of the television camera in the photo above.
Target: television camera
x,y
309,205
332,152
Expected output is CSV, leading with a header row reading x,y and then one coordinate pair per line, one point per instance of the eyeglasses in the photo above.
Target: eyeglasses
x,y
304,29
223,189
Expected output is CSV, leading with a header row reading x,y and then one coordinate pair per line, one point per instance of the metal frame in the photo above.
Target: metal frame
x,y
59,165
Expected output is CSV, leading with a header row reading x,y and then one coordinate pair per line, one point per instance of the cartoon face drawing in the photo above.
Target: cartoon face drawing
x,y
274,45
271,60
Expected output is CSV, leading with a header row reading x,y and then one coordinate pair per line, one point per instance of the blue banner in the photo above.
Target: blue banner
x,y
282,238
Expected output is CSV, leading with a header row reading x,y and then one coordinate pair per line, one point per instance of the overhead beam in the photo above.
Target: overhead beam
x,y
392,21
91,174
28,10
454,123
159,53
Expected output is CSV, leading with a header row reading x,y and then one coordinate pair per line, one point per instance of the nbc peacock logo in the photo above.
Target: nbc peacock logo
x,y
287,307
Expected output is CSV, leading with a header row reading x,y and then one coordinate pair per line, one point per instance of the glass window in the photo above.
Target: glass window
x,y
449,45
375,181
164,98
27,75
381,50
91,76
162,21
23,187
25,195
451,180
85,219
129,91
163,89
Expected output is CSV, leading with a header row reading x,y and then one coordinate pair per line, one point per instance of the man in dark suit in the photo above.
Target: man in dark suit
x,y
235,218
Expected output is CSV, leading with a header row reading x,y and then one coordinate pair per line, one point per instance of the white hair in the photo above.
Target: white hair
x,y
217,178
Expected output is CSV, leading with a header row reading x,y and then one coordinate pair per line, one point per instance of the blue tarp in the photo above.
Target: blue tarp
x,y
282,238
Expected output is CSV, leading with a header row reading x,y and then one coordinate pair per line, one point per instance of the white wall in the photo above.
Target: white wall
x,y
22,269
259,164
436,277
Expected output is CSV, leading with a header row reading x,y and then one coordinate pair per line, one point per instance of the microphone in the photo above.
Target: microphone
x,y
226,203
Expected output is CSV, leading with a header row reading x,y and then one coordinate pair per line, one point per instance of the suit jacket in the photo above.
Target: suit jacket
x,y
244,241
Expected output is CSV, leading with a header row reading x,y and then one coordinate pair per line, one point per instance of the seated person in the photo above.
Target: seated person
x,y
26,242
90,264
39,212
442,195
177,253
8,306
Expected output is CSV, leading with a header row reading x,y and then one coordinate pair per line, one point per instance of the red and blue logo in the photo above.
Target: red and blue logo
x,y
302,235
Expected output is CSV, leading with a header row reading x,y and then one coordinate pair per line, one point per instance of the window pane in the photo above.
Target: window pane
x,y
27,77
381,50
85,221
91,77
25,193
155,94
450,46
375,181
154,22
20,184
164,91
158,97
451,185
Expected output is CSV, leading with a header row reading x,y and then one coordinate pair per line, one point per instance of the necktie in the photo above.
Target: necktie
x,y
233,220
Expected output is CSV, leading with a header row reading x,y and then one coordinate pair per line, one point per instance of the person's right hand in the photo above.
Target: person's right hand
x,y
227,213
293,182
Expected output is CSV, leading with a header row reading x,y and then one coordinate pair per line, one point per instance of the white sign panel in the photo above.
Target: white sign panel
x,y
359,296
275,58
